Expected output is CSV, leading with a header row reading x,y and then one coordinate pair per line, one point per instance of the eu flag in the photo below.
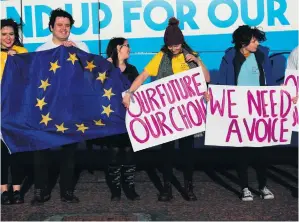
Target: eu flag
x,y
60,96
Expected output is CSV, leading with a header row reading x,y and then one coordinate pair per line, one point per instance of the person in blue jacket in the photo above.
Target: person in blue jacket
x,y
247,54
248,64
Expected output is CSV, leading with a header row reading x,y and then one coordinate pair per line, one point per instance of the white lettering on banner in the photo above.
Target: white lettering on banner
x,y
292,80
139,18
167,109
248,116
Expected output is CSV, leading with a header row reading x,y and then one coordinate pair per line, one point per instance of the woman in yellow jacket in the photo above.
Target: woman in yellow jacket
x,y
10,45
174,57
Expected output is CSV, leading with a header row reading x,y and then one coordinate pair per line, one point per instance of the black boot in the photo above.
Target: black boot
x,y
17,197
166,194
6,198
189,190
114,176
128,175
40,196
69,197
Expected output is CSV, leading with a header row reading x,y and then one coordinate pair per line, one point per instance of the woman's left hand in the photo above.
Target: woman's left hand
x,y
11,52
192,58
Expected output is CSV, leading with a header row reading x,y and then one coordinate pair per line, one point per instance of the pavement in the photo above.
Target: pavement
x,y
216,187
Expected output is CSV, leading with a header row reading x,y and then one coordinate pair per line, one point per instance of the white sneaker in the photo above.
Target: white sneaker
x,y
266,194
246,195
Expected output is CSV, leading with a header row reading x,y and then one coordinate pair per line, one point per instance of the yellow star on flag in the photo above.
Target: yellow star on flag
x,y
90,66
73,58
61,128
99,123
44,84
41,103
45,119
102,77
54,66
81,127
108,93
107,110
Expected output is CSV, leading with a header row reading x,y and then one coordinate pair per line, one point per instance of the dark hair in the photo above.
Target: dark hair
x,y
243,35
60,13
111,50
184,46
15,26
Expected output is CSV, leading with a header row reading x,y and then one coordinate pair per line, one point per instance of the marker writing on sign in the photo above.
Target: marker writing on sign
x,y
271,116
185,108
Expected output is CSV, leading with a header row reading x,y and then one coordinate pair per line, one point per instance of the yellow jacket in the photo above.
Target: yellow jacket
x,y
3,57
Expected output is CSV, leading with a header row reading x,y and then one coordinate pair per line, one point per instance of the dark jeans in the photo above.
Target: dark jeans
x,y
186,146
67,167
258,156
15,162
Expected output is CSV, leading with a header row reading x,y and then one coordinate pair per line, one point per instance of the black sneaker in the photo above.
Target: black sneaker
x,y
17,197
69,197
5,198
40,196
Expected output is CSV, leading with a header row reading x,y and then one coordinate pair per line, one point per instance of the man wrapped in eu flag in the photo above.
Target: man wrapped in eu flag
x,y
60,96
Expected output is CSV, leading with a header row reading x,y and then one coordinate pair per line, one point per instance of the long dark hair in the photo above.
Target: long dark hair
x,y
111,50
184,46
15,27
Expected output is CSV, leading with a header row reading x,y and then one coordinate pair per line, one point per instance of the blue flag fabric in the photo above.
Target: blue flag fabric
x,y
60,96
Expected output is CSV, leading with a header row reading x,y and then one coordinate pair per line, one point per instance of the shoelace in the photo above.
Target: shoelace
x,y
266,191
38,192
247,193
70,193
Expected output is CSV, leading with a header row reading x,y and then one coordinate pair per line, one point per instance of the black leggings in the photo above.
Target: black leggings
x,y
120,150
14,161
186,146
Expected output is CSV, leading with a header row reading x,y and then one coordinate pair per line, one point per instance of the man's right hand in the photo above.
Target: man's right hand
x,y
69,44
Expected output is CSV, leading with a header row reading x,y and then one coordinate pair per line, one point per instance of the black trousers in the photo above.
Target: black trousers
x,y
67,167
186,146
257,156
15,162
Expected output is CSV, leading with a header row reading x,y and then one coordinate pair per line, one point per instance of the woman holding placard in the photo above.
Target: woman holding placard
x,y
175,57
248,64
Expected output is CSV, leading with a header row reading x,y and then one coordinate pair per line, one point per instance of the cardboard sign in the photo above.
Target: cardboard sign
x,y
249,116
167,109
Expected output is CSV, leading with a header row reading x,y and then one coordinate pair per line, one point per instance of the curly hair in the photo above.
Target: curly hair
x,y
15,26
243,35
60,13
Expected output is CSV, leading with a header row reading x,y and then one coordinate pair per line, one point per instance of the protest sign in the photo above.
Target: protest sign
x,y
292,80
249,116
167,109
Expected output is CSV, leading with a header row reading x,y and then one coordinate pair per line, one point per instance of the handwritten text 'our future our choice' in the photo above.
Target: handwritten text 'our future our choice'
x,y
169,107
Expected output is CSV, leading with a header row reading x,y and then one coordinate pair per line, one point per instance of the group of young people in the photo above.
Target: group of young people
x,y
245,64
